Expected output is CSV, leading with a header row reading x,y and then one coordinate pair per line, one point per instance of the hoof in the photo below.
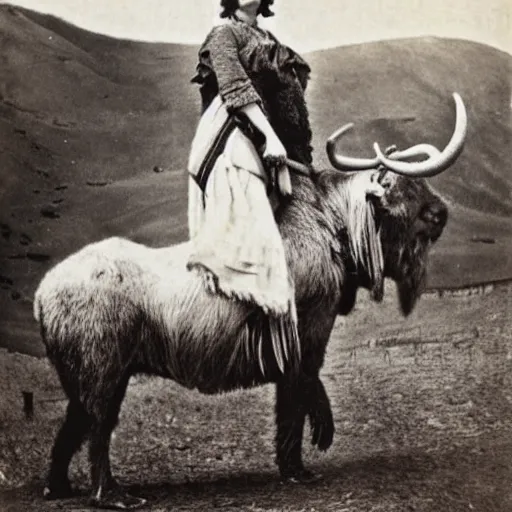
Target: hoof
x,y
301,476
116,499
58,492
322,428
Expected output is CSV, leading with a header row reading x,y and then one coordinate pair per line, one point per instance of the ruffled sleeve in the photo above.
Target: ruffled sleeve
x,y
288,58
301,68
220,55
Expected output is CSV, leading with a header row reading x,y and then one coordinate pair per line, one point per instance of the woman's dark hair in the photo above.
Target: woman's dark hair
x,y
230,6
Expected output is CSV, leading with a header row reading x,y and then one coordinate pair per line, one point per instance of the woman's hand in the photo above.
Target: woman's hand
x,y
274,152
274,147
274,155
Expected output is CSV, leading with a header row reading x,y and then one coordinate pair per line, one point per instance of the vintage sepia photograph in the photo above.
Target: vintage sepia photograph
x,y
256,255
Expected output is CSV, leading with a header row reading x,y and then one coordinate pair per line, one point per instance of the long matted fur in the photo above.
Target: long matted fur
x,y
116,308
138,307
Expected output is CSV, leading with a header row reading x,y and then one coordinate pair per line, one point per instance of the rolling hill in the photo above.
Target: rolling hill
x,y
95,131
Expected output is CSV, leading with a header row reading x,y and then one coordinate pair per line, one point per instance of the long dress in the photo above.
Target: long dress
x,y
237,247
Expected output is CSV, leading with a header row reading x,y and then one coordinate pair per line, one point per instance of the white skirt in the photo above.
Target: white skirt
x,y
235,239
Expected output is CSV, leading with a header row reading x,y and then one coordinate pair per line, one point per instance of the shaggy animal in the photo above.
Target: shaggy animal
x,y
117,308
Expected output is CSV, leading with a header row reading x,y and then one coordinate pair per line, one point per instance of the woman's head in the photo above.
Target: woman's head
x,y
230,6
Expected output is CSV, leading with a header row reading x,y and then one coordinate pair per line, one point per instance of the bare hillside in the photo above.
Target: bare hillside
x,y
94,137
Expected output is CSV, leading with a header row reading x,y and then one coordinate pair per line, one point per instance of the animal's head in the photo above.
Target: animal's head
x,y
393,215
411,218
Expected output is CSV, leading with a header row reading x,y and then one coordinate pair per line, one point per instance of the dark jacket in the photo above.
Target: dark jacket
x,y
246,64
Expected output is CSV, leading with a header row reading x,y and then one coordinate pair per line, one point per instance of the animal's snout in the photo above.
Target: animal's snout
x,y
435,213
435,216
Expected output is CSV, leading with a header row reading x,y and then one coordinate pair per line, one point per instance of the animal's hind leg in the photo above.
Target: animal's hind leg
x,y
68,441
105,491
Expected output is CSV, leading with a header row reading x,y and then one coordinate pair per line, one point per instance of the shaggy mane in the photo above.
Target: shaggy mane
x,y
362,234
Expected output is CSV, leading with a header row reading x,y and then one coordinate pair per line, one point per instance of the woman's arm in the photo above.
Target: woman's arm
x,y
239,94
274,149
235,86
274,146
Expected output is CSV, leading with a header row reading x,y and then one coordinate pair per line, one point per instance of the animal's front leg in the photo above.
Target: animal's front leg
x,y
291,410
320,415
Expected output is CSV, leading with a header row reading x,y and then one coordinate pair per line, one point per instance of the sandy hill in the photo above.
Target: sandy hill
x,y
94,137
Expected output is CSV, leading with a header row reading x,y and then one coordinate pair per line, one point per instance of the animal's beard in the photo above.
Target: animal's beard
x,y
413,274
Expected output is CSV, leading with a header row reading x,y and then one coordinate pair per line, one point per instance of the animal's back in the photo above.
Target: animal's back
x,y
99,279
116,303
83,268
104,263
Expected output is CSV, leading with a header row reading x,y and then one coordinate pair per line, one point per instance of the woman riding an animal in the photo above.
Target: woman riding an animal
x,y
253,106
116,308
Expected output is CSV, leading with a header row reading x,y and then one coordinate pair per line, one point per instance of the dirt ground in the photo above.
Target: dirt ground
x,y
422,408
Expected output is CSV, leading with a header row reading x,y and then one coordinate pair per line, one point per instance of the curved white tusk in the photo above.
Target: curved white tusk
x,y
346,163
417,150
437,161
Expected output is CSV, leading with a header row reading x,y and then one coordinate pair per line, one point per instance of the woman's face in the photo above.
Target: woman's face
x,y
249,4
